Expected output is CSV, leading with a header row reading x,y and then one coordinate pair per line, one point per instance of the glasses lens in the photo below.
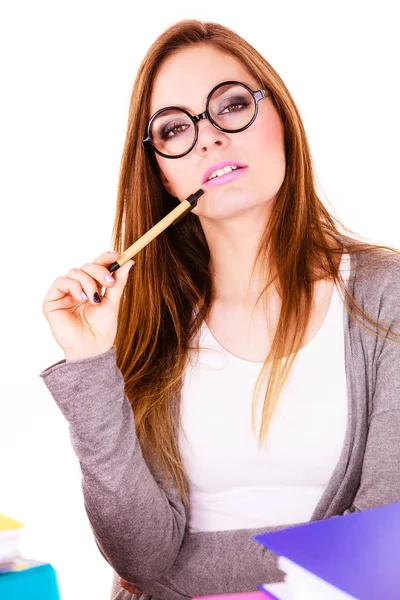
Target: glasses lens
x,y
232,106
172,132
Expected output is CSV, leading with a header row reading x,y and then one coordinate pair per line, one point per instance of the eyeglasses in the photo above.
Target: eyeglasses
x,y
231,106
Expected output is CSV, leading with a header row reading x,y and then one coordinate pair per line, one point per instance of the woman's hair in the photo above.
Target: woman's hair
x,y
171,291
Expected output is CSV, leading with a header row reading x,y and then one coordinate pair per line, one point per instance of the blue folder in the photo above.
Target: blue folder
x,y
358,553
31,580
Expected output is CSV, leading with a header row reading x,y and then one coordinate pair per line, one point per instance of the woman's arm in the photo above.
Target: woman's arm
x,y
220,562
214,563
138,526
380,477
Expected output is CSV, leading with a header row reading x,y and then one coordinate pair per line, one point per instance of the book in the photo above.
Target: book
x,y
356,556
277,591
29,579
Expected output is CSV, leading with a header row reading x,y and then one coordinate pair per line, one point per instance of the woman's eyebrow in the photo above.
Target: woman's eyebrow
x,y
185,106
218,93
179,105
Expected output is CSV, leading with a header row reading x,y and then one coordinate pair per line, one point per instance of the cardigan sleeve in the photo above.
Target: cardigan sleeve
x,y
219,562
380,476
138,526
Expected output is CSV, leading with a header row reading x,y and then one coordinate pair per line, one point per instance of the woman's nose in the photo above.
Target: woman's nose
x,y
209,136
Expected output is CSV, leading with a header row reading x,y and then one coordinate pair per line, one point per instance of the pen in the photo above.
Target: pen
x,y
170,219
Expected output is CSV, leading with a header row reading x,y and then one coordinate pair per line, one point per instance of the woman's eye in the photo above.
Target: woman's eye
x,y
231,106
236,104
176,129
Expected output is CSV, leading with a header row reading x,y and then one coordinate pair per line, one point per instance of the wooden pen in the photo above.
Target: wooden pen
x,y
170,219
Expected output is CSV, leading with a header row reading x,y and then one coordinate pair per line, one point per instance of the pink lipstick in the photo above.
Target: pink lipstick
x,y
221,178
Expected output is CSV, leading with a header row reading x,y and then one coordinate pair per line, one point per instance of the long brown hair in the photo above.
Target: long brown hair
x,y
170,292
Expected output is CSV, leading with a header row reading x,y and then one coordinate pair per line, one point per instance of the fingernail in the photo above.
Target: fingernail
x,y
96,297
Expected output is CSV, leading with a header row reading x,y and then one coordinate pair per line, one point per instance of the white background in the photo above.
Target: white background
x,y
66,76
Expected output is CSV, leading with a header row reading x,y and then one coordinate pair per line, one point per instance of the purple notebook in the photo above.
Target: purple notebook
x,y
357,553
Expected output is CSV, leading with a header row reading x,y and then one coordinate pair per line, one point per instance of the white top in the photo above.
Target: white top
x,y
235,484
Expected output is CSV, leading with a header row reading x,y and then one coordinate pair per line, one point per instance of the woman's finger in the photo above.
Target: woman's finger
x,y
61,291
128,586
106,258
88,283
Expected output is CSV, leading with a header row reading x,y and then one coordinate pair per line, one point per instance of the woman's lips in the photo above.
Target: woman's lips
x,y
225,178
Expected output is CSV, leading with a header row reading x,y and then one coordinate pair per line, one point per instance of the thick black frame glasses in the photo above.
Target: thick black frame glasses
x,y
257,96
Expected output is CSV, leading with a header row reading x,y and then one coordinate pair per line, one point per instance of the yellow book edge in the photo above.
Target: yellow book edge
x,y
7,523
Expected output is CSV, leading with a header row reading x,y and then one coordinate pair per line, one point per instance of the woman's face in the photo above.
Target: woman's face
x,y
185,80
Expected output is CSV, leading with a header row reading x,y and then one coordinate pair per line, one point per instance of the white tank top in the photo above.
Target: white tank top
x,y
235,484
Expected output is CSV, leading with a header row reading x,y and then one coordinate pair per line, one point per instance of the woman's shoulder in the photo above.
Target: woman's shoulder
x,y
378,272
375,285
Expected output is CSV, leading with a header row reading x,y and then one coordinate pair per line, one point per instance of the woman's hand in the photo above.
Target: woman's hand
x,y
128,586
82,326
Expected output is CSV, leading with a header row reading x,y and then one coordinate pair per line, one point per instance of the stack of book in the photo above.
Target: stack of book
x,y
22,578
10,534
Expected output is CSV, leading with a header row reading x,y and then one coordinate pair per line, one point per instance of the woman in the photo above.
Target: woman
x,y
179,471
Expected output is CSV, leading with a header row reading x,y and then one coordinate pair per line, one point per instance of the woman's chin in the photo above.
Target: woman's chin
x,y
230,202
232,210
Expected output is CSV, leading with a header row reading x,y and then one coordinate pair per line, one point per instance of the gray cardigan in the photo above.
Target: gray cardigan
x,y
140,525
